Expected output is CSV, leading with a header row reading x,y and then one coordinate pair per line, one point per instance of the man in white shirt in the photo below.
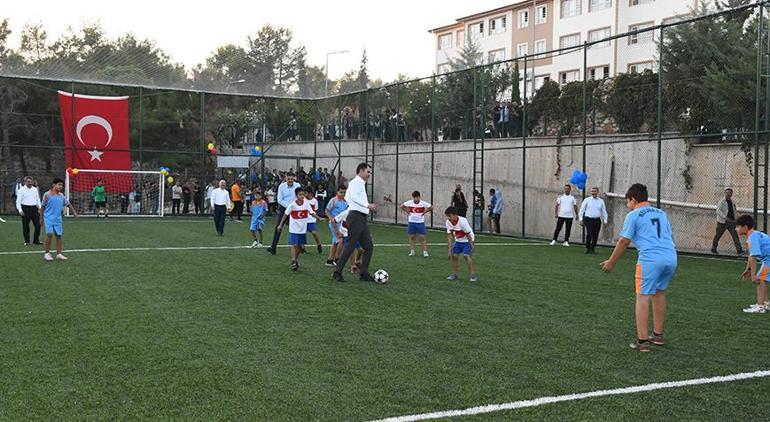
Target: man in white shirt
x,y
358,226
286,196
28,206
566,211
592,214
220,202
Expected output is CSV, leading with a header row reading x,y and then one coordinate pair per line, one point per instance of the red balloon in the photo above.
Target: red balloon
x,y
214,151
69,171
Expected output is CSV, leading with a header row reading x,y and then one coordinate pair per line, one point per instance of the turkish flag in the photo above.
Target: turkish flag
x,y
96,138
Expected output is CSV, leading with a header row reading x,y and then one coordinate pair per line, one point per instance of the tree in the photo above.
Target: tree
x,y
274,61
363,73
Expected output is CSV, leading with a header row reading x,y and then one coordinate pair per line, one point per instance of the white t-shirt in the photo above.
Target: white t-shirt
x,y
461,231
566,206
298,216
417,210
271,196
341,220
314,205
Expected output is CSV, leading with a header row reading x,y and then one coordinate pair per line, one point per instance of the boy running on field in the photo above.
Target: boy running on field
x,y
460,240
759,251
416,209
311,221
333,209
99,195
341,232
650,230
52,207
258,210
297,213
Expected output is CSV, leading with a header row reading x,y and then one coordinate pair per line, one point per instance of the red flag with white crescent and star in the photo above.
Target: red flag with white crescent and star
x,y
96,138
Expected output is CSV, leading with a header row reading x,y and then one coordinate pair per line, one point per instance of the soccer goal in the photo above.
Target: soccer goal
x,y
125,193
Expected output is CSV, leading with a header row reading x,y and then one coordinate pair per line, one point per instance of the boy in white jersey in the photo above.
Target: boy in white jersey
x,y
460,240
341,231
311,221
416,209
297,213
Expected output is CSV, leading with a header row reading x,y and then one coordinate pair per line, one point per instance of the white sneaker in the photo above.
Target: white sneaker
x,y
255,244
411,253
553,242
61,257
48,257
425,254
565,244
259,244
755,309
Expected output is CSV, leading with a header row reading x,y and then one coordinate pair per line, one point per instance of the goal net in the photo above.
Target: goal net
x,y
125,193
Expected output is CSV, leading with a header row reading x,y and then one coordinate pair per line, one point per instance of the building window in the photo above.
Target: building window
x,y
641,37
443,68
570,8
638,2
640,67
522,49
444,41
597,35
523,18
540,46
498,25
599,72
496,55
541,14
569,41
596,5
569,76
476,30
460,38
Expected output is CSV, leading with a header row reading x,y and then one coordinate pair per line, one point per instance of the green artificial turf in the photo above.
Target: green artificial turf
x,y
234,334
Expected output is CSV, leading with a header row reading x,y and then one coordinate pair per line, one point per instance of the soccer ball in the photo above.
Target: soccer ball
x,y
381,276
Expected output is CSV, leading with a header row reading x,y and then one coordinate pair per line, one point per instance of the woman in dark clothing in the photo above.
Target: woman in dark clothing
x,y
458,201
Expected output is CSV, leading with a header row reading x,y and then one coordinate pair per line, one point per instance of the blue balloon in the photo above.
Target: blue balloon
x,y
581,185
583,177
256,152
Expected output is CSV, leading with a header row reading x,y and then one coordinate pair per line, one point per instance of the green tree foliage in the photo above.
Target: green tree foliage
x,y
633,101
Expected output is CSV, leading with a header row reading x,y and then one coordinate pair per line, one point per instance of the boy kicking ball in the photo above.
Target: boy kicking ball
x,y
258,209
297,212
52,207
333,209
416,209
460,240
650,230
759,250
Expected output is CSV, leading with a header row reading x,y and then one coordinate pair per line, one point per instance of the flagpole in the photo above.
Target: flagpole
x,y
72,125
141,127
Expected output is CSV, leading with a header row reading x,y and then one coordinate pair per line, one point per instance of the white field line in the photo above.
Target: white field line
x,y
578,396
209,248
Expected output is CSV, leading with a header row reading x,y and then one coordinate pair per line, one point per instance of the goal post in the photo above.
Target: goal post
x,y
127,193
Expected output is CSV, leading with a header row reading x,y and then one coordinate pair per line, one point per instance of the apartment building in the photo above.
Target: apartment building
x,y
533,26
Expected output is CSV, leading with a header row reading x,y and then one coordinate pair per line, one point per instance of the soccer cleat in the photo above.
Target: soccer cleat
x,y
294,266
425,254
474,278
366,277
452,277
255,244
37,243
714,251
48,257
565,244
411,253
755,309
330,263
61,257
658,339
320,249
553,242
642,347
337,276
26,243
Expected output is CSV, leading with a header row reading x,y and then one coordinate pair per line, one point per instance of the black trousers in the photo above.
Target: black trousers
x,y
496,217
593,226
730,227
32,214
176,206
358,231
220,211
559,223
276,233
237,209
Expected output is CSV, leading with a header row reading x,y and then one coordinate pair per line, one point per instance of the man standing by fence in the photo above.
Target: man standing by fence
x,y
220,202
592,214
726,221
285,197
358,227
28,205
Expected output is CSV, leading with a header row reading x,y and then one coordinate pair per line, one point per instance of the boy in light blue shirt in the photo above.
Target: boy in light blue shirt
x,y
258,210
650,230
759,251
52,207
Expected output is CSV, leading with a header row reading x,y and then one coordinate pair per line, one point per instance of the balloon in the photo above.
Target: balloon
x,y
214,151
170,180
75,172
575,177
583,177
256,151
581,185
69,171
211,146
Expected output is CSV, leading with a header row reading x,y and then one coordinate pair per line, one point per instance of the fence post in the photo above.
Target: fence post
x,y
72,127
432,140
762,31
141,126
584,128
757,102
396,133
660,117
524,131
202,131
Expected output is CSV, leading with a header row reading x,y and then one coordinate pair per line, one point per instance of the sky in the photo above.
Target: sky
x,y
394,33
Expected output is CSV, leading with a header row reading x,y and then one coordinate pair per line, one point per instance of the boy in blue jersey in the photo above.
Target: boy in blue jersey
x,y
335,206
258,210
650,230
759,251
52,208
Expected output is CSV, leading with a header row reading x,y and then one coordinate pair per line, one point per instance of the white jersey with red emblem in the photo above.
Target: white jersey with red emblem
x,y
342,223
298,213
461,231
416,210
314,206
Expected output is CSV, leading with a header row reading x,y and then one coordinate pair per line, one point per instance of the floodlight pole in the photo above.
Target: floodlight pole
x,y
326,77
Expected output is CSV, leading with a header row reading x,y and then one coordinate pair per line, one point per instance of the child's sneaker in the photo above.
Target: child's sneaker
x,y
565,243
755,309
658,339
452,277
411,253
255,244
294,266
640,346
553,242
48,257
259,244
330,263
61,257
425,254
474,278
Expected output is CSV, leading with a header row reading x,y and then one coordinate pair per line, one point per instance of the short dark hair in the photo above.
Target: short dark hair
x,y
729,189
309,189
637,191
341,187
57,181
291,173
491,191
450,211
362,166
567,185
745,220
298,190
416,193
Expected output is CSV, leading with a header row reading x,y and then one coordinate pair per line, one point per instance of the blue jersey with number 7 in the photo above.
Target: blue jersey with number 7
x,y
650,230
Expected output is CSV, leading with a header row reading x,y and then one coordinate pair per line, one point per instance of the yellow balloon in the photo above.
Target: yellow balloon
x,y
164,172
211,146
170,179
75,171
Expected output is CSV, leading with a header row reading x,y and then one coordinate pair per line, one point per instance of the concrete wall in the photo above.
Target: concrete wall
x,y
611,167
